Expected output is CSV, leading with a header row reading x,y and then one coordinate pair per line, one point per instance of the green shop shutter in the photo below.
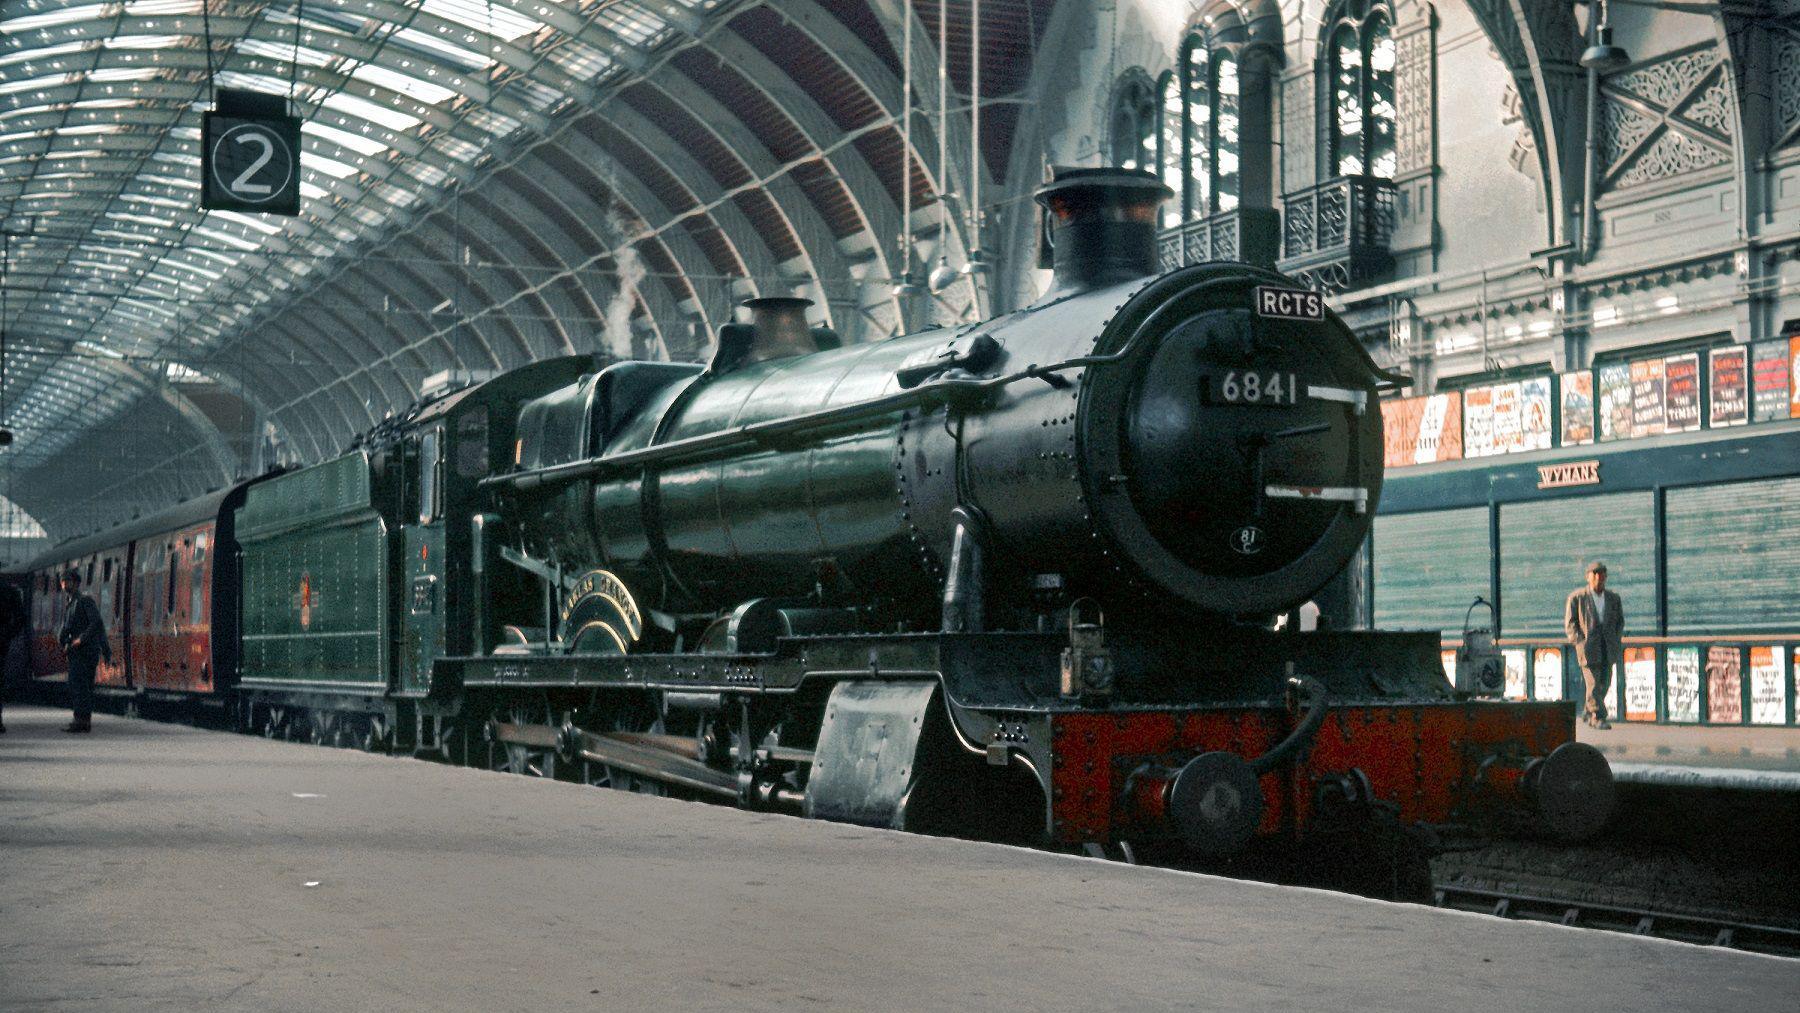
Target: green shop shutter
x,y
1545,547
1428,568
1734,557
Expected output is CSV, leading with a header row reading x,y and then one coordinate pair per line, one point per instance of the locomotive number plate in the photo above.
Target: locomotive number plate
x,y
1251,387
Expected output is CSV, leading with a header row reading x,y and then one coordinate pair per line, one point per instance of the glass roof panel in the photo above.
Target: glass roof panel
x,y
99,144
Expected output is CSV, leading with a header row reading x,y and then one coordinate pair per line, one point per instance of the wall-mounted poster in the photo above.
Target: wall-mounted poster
x,y
1724,685
1769,380
1768,690
1681,399
1421,430
1730,387
1508,437
1534,414
1683,667
1547,674
1478,422
1577,408
1640,684
1794,377
1614,382
1515,672
1648,397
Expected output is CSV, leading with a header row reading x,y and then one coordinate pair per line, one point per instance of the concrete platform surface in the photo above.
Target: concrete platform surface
x,y
1748,747
151,867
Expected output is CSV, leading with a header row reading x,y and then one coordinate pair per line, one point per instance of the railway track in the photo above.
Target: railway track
x,y
1688,928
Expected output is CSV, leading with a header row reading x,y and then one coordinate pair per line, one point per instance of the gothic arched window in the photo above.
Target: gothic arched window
x,y
1359,54
1200,134
1134,122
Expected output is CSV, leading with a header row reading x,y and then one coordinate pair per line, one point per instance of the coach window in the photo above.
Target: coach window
x,y
1359,54
197,586
173,560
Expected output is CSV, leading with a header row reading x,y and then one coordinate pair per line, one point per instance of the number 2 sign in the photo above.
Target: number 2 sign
x,y
250,159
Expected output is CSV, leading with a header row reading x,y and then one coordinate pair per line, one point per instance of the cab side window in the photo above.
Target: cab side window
x,y
431,474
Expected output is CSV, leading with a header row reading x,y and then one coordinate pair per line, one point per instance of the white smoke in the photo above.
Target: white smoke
x,y
629,272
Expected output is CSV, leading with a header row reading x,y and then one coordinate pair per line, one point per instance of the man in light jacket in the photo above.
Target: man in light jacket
x,y
1595,622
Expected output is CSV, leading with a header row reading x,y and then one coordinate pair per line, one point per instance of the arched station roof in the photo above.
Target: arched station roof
x,y
485,182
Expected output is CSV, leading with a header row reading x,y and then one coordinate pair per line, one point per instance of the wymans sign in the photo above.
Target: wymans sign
x,y
1557,476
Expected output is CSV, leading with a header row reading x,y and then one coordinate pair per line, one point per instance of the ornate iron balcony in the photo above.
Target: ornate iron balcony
x,y
1250,235
1337,233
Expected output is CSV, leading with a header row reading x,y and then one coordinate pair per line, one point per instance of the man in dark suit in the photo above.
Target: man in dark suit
x,y
83,636
1595,622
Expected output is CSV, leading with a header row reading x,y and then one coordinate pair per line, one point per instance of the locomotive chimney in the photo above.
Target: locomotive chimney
x,y
1100,227
780,328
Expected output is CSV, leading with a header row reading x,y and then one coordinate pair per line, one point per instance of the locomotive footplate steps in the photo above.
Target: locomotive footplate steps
x,y
155,867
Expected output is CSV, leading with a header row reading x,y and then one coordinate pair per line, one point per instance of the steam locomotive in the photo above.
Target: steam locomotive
x,y
1014,579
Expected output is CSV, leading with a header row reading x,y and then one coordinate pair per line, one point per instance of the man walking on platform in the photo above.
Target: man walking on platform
x,y
83,636
1595,622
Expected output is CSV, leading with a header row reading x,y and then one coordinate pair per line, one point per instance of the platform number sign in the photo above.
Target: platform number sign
x,y
250,157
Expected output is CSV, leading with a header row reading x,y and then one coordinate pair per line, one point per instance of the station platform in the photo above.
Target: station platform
x,y
152,867
1746,756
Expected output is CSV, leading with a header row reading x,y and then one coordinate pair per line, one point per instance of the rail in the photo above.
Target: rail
x,y
1702,930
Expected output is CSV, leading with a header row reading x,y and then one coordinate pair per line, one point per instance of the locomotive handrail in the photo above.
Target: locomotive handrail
x,y
762,434
757,435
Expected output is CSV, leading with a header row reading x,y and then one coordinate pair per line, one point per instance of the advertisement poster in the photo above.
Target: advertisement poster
x,y
1769,380
1547,674
1478,422
1647,397
1725,685
1640,684
1614,382
1793,377
1507,432
1577,408
1534,414
1683,684
1681,402
1730,387
1614,690
1422,430
1768,690
1515,672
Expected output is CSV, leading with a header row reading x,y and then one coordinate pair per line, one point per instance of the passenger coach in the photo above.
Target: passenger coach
x,y
166,586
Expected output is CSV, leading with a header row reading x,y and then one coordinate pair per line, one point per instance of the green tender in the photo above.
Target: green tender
x,y
316,581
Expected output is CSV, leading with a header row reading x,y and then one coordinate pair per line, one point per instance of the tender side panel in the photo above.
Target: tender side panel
x,y
315,578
